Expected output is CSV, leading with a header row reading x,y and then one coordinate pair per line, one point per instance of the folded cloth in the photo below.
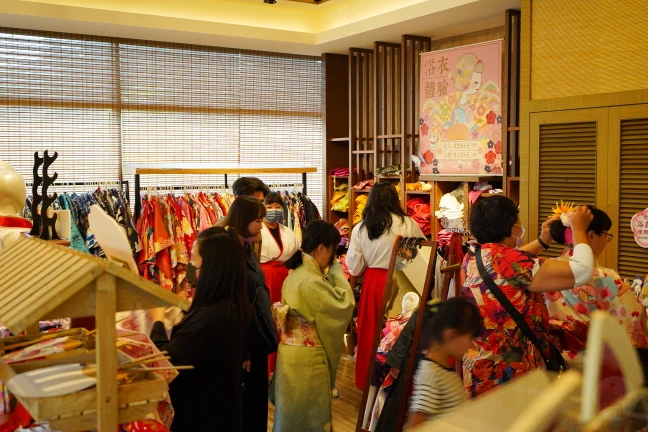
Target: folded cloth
x,y
361,202
340,199
339,172
419,210
367,184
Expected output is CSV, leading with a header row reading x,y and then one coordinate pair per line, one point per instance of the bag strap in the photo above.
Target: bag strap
x,y
508,306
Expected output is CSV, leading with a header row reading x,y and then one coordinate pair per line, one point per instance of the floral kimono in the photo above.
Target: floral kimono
x,y
312,318
504,352
569,310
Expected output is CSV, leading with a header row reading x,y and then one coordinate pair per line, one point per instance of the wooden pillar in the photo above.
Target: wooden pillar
x,y
106,306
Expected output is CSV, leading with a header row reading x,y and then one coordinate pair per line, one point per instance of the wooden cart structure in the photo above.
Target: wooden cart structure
x,y
40,280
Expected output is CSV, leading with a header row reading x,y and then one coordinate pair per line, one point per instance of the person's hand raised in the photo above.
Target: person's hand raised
x,y
581,219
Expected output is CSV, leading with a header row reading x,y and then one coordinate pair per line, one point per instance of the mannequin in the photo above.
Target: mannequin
x,y
13,196
379,380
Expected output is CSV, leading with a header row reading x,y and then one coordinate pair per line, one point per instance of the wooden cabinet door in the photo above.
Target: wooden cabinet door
x,y
627,185
565,158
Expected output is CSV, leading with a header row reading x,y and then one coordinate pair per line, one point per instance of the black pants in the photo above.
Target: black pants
x,y
255,395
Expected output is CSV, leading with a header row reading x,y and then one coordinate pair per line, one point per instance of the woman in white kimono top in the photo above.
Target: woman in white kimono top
x,y
313,315
278,245
369,253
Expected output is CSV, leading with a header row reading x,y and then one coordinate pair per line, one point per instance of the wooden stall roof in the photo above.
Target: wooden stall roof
x,y
41,280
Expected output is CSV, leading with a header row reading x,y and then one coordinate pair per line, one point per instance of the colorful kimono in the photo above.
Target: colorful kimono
x,y
570,310
504,353
312,319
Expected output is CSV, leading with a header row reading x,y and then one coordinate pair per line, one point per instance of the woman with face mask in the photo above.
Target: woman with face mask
x,y
504,349
316,307
278,244
210,337
246,217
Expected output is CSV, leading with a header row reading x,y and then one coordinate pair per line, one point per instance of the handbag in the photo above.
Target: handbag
x,y
555,362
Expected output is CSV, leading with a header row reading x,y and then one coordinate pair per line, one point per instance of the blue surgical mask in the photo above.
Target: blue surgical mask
x,y
274,215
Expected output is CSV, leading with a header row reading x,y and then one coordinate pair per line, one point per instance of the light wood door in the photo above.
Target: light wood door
x,y
566,162
627,185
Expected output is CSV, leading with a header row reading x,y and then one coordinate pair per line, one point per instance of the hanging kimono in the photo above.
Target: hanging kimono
x,y
312,320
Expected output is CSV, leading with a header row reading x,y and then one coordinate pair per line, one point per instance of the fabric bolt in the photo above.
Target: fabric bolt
x,y
570,310
312,317
504,353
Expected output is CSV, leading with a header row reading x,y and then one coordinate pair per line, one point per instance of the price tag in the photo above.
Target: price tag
x,y
639,225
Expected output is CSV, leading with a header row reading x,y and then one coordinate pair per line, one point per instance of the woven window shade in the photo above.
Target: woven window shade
x,y
58,93
105,102
567,168
633,260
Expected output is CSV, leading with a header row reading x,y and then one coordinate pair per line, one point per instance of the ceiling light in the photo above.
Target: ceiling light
x,y
270,1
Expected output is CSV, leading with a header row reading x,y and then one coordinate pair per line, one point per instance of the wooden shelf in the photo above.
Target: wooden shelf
x,y
361,191
389,177
397,136
360,152
418,192
513,128
459,179
341,211
339,139
172,168
339,177
513,179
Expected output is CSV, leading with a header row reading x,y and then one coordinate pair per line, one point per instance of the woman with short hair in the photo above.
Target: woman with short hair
x,y
522,277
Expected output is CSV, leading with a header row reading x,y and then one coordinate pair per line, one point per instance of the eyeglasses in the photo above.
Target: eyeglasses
x,y
609,236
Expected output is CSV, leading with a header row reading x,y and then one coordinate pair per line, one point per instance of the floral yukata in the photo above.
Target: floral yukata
x,y
503,352
570,310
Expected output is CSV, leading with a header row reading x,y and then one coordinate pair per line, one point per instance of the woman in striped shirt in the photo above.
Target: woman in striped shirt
x,y
448,331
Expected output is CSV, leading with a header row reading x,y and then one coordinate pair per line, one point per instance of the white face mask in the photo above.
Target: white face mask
x,y
518,240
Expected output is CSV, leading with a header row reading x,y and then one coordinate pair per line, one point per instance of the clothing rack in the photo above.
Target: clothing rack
x,y
205,169
125,183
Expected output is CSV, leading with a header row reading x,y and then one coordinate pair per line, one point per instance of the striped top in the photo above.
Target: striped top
x,y
437,390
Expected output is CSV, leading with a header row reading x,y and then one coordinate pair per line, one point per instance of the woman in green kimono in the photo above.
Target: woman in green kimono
x,y
312,317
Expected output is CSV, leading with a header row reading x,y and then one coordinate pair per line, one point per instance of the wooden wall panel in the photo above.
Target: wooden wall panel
x,y
584,47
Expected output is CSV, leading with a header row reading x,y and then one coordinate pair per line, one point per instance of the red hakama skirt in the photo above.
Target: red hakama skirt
x,y
369,317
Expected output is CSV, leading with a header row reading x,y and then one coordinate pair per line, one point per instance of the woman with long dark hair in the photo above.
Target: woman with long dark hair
x,y
211,337
369,252
246,217
316,307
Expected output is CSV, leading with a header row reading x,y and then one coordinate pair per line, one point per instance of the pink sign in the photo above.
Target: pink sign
x,y
460,124
639,225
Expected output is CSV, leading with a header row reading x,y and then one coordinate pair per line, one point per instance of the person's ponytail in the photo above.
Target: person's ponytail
x,y
295,261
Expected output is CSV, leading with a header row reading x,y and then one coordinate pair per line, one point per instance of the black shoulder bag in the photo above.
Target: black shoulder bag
x,y
556,362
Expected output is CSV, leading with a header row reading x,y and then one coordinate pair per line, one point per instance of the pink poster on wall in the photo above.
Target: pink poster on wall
x,y
460,123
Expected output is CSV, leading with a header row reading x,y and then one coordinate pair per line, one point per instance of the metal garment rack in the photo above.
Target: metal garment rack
x,y
206,169
125,183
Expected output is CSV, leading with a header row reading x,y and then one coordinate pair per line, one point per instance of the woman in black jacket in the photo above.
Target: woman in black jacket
x,y
211,337
246,216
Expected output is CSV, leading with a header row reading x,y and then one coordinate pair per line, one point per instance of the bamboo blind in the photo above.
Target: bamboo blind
x,y
567,167
106,102
633,260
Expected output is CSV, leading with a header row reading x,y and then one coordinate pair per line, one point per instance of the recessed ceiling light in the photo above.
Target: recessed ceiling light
x,y
270,1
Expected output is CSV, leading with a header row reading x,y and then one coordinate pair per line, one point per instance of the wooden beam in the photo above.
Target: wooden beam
x,y
106,304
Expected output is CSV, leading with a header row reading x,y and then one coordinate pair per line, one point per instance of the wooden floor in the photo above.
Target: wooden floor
x,y
345,409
